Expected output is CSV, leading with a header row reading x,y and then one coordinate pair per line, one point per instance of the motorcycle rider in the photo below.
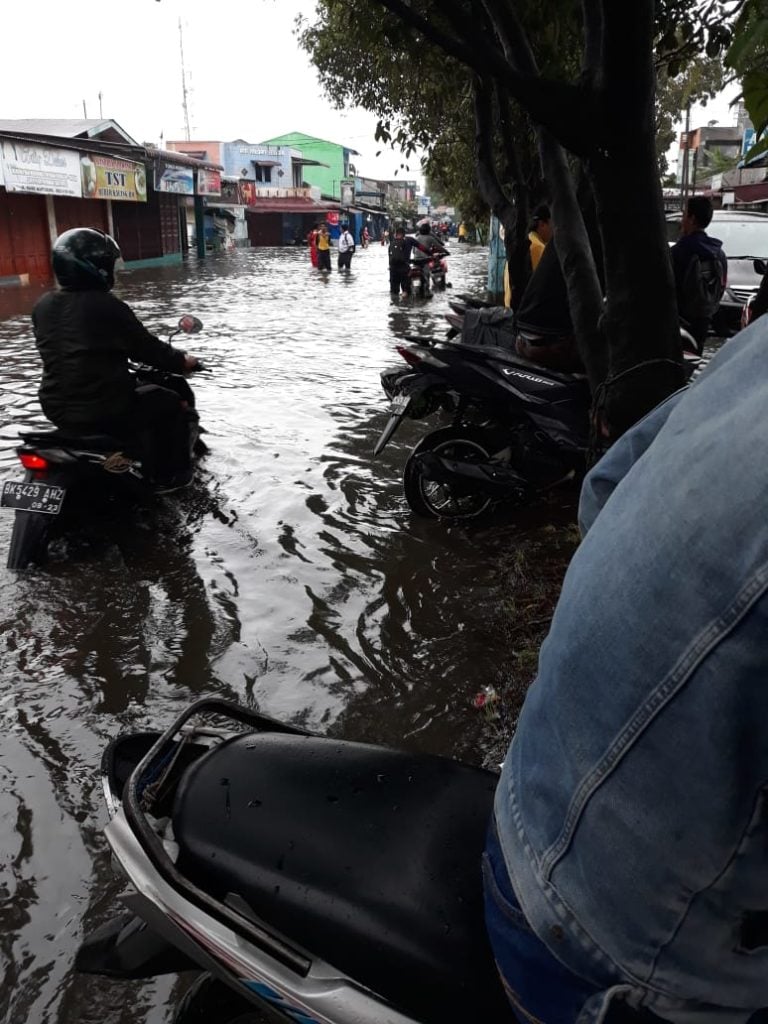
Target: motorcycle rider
x,y
545,332
428,245
85,337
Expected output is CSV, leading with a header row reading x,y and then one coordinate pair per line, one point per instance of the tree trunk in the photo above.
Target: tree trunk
x,y
573,249
640,319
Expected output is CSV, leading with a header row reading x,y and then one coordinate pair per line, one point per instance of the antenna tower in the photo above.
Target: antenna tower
x,y
184,104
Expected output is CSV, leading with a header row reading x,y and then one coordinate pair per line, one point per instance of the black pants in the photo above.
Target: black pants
x,y
159,424
399,278
345,260
323,259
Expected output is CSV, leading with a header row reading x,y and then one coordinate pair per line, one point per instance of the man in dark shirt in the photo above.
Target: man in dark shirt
x,y
700,268
86,337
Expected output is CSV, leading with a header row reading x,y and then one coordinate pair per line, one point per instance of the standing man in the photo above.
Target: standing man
x,y
323,248
399,262
700,268
346,248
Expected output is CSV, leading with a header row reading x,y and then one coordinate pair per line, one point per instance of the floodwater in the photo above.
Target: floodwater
x,y
291,577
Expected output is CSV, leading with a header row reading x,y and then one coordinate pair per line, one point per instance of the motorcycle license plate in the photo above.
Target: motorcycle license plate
x,y
32,497
399,404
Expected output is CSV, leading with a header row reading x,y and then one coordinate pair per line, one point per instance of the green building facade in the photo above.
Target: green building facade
x,y
327,179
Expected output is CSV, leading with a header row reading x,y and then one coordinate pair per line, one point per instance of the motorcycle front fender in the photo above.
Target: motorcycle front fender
x,y
409,388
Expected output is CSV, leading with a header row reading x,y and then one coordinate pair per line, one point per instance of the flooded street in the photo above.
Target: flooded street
x,y
291,576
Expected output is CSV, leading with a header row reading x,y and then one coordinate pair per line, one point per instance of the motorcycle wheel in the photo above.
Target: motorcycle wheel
x,y
29,540
435,500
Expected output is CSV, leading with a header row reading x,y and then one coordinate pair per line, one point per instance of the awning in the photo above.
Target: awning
x,y
305,162
277,205
756,193
266,163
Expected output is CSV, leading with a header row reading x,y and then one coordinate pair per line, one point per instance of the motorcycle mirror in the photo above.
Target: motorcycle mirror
x,y
760,266
190,324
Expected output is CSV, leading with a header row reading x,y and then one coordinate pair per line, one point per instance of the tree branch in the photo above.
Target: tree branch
x,y
594,27
512,36
487,178
560,106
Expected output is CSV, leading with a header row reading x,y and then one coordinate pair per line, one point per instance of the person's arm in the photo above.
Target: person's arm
x,y
138,343
605,476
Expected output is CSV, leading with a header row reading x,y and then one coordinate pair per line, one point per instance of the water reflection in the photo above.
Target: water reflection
x,y
291,576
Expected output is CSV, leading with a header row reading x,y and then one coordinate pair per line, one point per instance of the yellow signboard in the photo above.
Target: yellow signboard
x,y
105,177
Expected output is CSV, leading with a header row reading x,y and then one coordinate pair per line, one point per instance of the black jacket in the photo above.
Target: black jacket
x,y
85,340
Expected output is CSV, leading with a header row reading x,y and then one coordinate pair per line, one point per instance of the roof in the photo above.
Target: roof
x,y
67,128
181,159
298,137
277,205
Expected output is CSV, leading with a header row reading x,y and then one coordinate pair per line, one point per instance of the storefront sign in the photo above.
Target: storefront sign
x,y
42,169
248,193
172,178
105,177
332,217
208,183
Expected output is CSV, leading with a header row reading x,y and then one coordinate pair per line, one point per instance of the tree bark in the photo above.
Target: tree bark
x,y
585,297
640,318
511,210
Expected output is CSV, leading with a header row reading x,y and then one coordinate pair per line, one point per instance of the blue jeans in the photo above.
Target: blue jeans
x,y
540,989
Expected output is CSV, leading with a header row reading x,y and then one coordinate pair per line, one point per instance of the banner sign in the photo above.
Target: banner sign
x,y
172,178
27,167
208,183
247,193
105,177
332,217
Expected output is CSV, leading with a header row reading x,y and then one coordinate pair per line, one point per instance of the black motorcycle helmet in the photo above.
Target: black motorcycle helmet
x,y
84,260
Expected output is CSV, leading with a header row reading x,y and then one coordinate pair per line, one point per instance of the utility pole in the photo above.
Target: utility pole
x,y
85,111
684,182
101,114
184,103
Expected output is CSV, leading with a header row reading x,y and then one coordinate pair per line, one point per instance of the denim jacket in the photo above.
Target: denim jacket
x,y
632,808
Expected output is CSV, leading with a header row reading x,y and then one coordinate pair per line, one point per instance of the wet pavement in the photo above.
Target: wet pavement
x,y
291,577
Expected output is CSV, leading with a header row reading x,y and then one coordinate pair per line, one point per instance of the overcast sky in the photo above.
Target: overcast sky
x,y
246,74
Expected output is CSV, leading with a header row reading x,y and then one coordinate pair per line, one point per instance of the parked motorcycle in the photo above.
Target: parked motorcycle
x,y
68,474
328,882
517,429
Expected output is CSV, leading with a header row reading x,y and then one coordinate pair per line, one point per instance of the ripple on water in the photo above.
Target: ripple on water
x,y
290,576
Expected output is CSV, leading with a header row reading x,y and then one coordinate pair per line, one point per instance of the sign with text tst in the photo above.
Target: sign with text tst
x,y
106,177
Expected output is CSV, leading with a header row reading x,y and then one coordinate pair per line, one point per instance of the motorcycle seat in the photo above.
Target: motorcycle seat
x,y
366,857
71,439
506,356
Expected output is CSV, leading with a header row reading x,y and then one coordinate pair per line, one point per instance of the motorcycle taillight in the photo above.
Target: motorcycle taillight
x,y
30,460
411,357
